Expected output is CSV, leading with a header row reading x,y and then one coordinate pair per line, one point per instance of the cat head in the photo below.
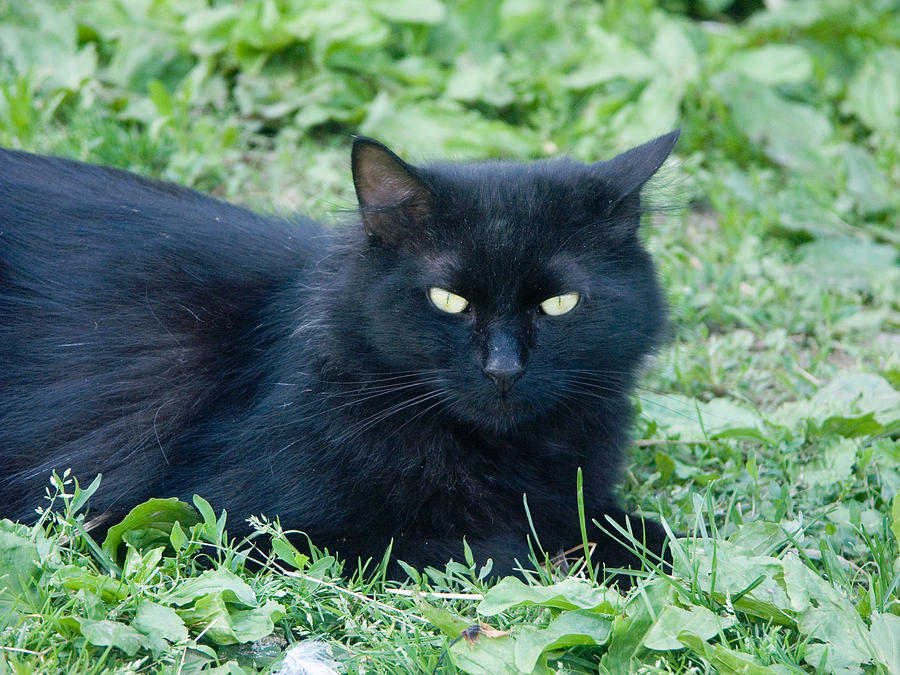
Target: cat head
x,y
514,290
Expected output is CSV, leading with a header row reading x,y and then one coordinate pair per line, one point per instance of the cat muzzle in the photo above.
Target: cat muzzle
x,y
503,366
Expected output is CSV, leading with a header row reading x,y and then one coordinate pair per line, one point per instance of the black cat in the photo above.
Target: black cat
x,y
473,340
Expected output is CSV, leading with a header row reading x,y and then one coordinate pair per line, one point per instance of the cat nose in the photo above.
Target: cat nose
x,y
504,376
502,364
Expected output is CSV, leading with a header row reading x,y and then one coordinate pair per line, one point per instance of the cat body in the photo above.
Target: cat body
x,y
178,345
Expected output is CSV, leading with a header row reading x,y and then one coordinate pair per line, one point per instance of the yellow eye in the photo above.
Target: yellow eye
x,y
447,301
560,304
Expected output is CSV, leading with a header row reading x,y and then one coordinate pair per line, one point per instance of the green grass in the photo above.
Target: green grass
x,y
768,427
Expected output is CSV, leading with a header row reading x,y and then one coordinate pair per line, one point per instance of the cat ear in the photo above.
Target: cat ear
x,y
619,182
627,173
392,198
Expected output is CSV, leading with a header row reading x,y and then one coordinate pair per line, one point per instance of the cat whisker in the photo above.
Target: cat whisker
x,y
587,371
606,385
386,388
442,401
569,389
383,391
382,415
585,387
372,394
396,376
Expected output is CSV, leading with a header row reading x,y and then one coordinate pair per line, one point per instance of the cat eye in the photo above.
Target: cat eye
x,y
560,304
446,301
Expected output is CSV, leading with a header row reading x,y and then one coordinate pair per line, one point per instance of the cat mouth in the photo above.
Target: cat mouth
x,y
501,413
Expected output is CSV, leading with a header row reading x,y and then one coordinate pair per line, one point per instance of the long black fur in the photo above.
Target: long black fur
x,y
178,345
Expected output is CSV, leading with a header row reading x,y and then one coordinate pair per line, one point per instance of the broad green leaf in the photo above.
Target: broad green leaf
x,y
852,427
521,15
226,625
317,99
161,625
160,98
759,537
665,465
474,26
736,571
75,578
90,605
19,569
141,565
177,537
219,581
629,629
863,321
674,622
432,128
483,81
410,11
287,552
321,567
655,112
832,464
333,27
148,524
790,15
228,668
448,623
210,28
801,213
870,186
83,494
569,593
845,403
256,623
874,92
885,640
851,516
863,392
106,633
577,627
263,30
146,59
206,511
50,49
724,659
808,590
791,133
838,262
675,53
616,58
839,636
692,420
838,642
490,656
772,64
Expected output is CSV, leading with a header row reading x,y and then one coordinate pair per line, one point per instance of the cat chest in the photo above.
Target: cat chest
x,y
453,485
